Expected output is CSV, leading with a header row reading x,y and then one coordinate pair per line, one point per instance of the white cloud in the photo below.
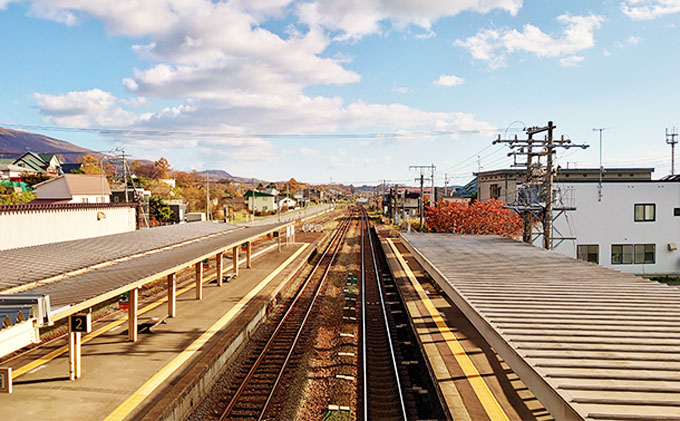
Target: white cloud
x,y
224,71
649,9
402,90
448,80
606,52
633,40
571,61
308,152
493,46
354,19
85,109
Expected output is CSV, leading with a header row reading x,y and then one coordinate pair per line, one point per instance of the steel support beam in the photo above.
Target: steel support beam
x,y
133,302
199,280
172,295
219,264
234,258
74,357
249,252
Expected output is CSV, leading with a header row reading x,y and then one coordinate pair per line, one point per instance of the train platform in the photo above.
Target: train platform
x,y
473,382
588,341
122,379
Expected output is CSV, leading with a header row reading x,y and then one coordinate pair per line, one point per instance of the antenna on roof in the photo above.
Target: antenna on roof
x,y
672,139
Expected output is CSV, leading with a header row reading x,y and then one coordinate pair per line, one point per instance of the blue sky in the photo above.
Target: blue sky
x,y
322,67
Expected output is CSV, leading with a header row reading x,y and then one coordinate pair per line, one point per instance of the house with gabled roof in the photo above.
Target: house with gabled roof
x,y
260,201
73,188
44,163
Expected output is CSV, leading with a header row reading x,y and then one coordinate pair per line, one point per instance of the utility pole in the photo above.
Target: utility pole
x,y
422,169
528,215
433,198
207,195
421,200
537,176
446,184
672,139
599,185
547,220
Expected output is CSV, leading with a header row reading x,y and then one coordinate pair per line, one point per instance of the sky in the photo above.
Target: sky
x,y
351,91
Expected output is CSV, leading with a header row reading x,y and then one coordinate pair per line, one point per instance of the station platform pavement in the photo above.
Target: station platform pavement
x,y
473,382
124,380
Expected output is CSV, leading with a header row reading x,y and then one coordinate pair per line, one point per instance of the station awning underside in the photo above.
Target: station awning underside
x,y
590,342
170,253
26,265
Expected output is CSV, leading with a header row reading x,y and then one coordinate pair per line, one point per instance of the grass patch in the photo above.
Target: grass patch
x,y
667,279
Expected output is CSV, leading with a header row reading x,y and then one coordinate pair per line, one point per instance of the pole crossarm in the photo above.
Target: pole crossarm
x,y
528,153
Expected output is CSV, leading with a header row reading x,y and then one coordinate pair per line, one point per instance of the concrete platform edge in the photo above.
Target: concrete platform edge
x,y
192,394
391,263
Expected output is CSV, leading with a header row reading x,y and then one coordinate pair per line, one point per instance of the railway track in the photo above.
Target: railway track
x,y
382,390
253,388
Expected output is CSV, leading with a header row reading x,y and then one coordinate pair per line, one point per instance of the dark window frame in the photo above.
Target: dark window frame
x,y
645,260
580,255
645,217
622,254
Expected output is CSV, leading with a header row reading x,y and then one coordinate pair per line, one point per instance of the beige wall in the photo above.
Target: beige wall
x,y
34,227
262,203
507,185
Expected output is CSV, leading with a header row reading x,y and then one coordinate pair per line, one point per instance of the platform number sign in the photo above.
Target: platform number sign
x,y
81,323
5,380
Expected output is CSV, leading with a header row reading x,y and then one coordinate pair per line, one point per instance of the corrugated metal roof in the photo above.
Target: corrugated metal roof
x,y
606,342
31,264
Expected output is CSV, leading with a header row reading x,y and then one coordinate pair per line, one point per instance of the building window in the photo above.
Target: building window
x,y
645,253
676,212
622,254
589,253
645,212
495,191
640,254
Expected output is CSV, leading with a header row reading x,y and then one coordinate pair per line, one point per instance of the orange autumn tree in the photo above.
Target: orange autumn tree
x,y
484,218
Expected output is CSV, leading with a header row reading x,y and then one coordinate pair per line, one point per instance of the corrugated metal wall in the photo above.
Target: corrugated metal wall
x,y
34,227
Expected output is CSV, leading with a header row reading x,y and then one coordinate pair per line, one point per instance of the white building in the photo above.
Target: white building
x,y
287,202
35,224
73,188
634,228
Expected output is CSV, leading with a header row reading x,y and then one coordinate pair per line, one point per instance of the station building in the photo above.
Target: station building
x,y
631,223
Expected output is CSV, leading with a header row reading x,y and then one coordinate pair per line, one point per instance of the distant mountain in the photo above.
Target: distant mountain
x,y
16,142
217,174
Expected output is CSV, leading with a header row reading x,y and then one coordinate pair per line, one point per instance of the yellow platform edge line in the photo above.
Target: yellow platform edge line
x,y
481,389
86,338
129,405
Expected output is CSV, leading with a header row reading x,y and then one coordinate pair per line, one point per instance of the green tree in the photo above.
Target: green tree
x,y
159,210
14,196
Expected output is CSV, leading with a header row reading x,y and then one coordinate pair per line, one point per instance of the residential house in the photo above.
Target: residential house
x,y
287,203
260,201
402,201
46,163
10,171
73,188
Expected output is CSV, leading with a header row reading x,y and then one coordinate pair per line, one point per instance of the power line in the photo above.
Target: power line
x,y
234,135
